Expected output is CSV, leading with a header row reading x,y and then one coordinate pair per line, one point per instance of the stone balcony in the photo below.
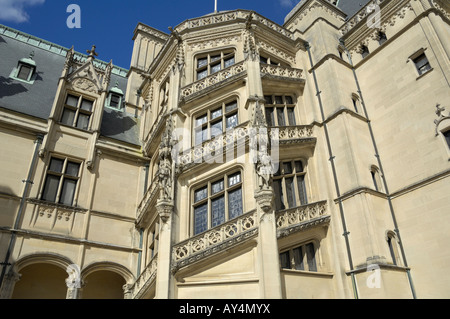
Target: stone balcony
x,y
299,218
149,197
215,240
145,280
212,81
281,71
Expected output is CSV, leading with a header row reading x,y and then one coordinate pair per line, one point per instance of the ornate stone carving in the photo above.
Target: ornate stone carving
x,y
85,85
441,117
165,161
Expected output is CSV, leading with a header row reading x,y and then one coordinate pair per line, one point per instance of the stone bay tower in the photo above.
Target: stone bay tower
x,y
235,158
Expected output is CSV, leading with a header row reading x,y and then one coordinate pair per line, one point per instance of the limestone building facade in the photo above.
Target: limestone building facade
x,y
235,158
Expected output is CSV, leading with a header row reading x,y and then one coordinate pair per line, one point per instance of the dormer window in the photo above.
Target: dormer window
x,y
25,70
115,98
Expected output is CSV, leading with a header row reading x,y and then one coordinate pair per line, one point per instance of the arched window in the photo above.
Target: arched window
x,y
356,102
392,242
376,178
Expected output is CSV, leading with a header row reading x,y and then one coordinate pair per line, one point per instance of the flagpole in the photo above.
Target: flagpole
x,y
215,6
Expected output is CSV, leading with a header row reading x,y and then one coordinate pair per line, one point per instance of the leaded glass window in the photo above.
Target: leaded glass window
x,y
300,258
280,110
217,202
212,63
215,121
61,181
77,112
289,185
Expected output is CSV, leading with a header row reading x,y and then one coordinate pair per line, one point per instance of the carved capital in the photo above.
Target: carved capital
x,y
164,209
264,198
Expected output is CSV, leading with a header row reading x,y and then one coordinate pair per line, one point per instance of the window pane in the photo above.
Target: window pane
x,y
215,58
201,120
72,100
229,62
280,116
287,168
232,121
298,166
230,107
202,74
216,113
87,105
56,165
263,60
278,99
291,116
289,99
216,129
310,255
290,192
285,262
298,258
50,188
200,219
200,194
268,99
24,72
217,211
68,192
202,62
235,208
72,169
234,179
83,121
447,137
279,201
115,100
67,117
215,68
201,135
217,187
270,116
302,189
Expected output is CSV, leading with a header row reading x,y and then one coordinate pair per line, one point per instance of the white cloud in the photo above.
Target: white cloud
x,y
288,3
14,10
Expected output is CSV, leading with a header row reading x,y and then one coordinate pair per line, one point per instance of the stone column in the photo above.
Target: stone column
x,y
268,256
9,283
165,210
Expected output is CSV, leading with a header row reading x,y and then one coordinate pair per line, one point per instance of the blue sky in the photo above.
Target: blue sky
x,y
110,24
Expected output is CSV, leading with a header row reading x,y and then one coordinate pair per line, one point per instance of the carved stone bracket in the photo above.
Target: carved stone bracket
x,y
264,198
164,209
441,117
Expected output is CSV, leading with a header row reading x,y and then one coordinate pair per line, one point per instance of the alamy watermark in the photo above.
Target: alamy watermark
x,y
374,279
74,19
374,16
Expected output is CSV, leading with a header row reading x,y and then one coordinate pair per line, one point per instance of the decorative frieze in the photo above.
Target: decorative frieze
x,y
215,240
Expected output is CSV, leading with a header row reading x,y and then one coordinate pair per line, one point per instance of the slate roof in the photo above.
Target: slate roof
x,y
36,99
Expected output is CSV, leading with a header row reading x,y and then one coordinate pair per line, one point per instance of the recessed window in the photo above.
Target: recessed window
x,y
77,112
376,178
422,64
213,62
217,202
356,102
280,110
299,258
152,241
216,121
446,135
393,248
61,181
269,60
289,185
382,37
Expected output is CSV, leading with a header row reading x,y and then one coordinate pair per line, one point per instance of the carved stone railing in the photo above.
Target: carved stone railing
x,y
301,217
281,133
200,153
222,17
147,277
214,240
149,196
213,79
281,71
